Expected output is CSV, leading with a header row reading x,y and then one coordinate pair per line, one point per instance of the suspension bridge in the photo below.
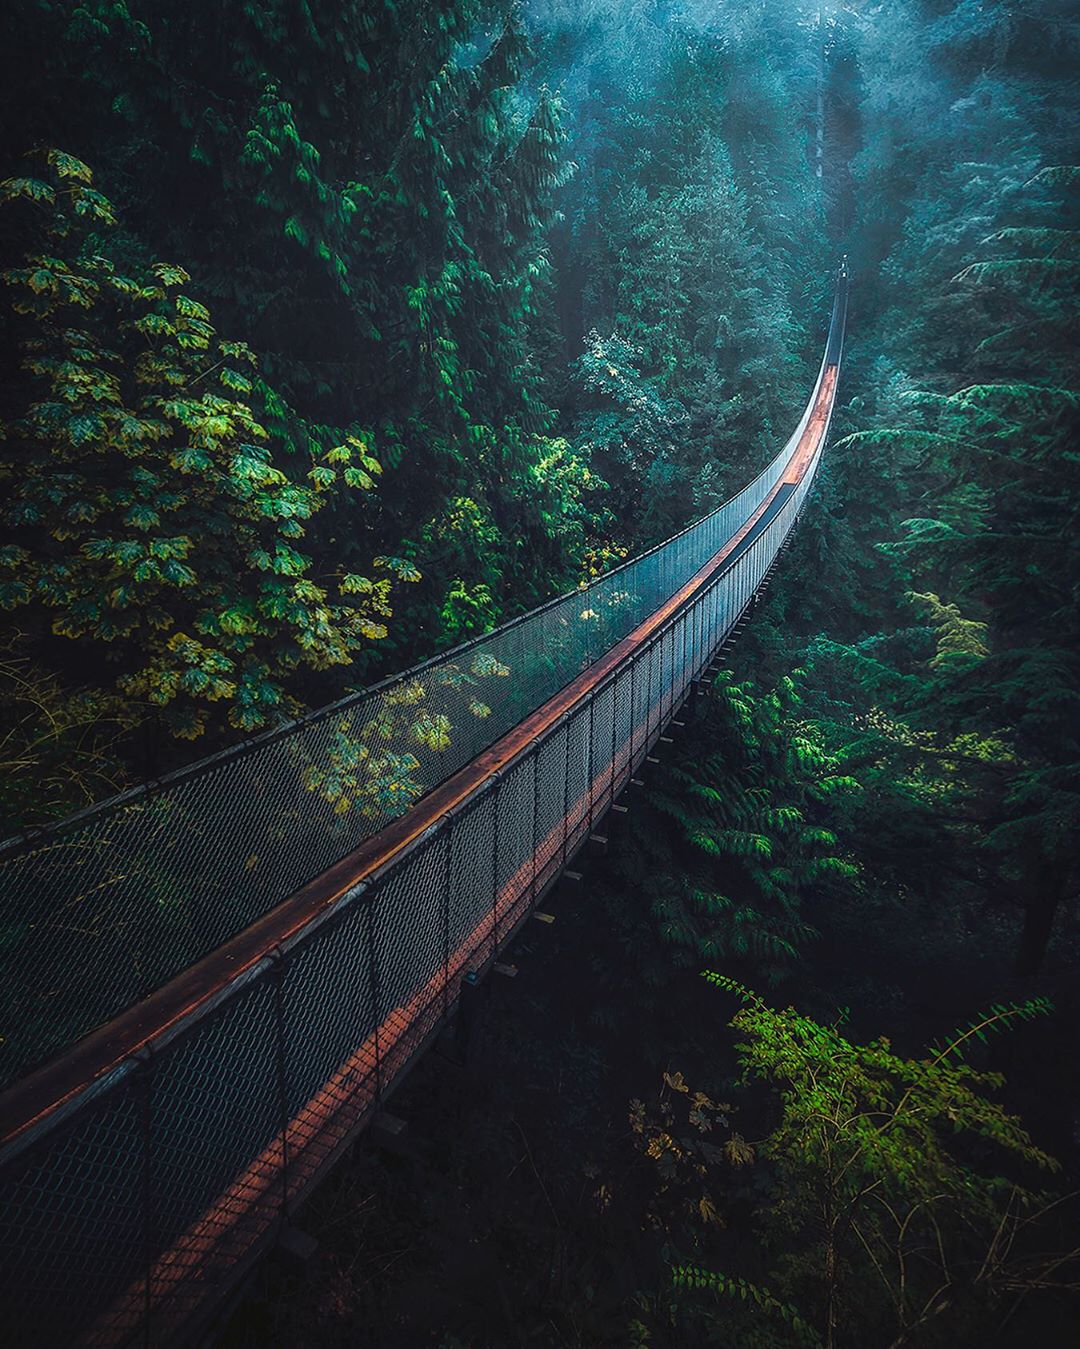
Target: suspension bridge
x,y
210,985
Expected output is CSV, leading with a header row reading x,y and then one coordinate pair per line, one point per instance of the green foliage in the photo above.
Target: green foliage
x,y
145,515
57,748
374,767
632,432
956,637
995,459
883,1199
748,811
691,226
690,1279
883,706
360,200
872,1163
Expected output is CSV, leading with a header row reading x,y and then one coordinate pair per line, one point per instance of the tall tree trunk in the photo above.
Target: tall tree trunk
x,y
1048,890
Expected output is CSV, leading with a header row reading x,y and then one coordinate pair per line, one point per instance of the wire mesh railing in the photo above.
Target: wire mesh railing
x,y
105,908
131,1206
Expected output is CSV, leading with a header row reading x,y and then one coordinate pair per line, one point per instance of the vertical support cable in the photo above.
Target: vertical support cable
x,y
373,978
496,791
648,699
592,718
614,727
630,751
535,817
566,796
684,624
448,833
142,1087
699,610
277,978
667,641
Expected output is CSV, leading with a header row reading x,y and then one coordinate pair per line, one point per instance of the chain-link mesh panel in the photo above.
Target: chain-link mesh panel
x,y
683,655
578,768
72,1224
411,948
691,643
216,1158
620,759
346,1094
549,824
472,888
707,604
640,691
714,623
603,729
667,673
513,842
329,1018
655,659
112,905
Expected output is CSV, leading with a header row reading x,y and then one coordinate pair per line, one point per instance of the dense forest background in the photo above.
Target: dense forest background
x,y
339,332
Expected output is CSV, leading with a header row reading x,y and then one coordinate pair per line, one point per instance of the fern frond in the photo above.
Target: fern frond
x,y
711,902
982,394
1026,271
1029,327
1056,175
750,937
888,436
1035,237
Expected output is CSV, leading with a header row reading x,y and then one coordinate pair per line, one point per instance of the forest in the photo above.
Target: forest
x,y
337,334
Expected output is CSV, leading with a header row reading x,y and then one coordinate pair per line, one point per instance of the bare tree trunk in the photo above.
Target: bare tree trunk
x,y
1039,914
1002,39
1048,888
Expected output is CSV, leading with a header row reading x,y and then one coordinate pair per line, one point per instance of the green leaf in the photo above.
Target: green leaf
x,y
403,569
67,166
31,188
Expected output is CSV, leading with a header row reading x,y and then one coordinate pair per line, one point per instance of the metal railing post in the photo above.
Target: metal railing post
x,y
496,792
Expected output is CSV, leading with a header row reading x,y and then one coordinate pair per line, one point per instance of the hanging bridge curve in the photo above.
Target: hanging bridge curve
x,y
217,980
